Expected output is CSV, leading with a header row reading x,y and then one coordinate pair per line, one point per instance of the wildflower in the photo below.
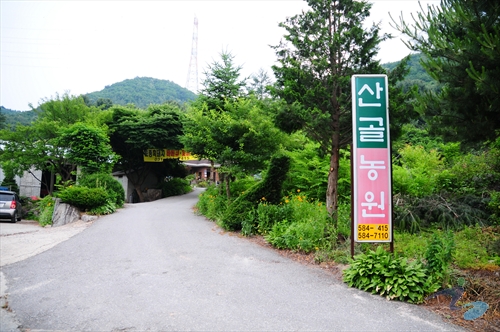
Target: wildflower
x,y
287,201
298,190
263,199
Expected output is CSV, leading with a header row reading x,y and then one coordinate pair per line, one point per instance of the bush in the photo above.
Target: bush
x,y
304,225
212,204
439,255
383,273
45,209
268,189
109,183
414,214
175,187
84,198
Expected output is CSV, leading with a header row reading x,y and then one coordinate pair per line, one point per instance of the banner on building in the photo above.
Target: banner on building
x,y
158,155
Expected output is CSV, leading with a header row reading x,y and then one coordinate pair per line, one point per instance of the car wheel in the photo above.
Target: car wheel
x,y
19,218
14,217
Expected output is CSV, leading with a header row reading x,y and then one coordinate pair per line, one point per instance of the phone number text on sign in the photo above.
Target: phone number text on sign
x,y
368,232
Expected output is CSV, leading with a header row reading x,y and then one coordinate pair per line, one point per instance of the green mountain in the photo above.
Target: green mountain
x,y
12,118
142,91
417,75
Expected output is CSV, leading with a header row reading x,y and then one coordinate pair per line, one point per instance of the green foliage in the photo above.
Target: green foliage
x,y
299,224
383,273
494,207
439,255
107,182
108,207
45,209
269,189
212,204
132,131
474,173
416,171
88,146
414,214
309,170
475,248
39,144
313,71
175,187
222,83
461,43
9,181
13,118
141,92
84,198
242,138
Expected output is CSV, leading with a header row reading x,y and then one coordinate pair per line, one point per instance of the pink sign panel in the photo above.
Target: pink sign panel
x,y
373,197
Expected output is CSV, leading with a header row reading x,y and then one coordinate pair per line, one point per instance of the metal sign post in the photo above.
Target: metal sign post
x,y
371,160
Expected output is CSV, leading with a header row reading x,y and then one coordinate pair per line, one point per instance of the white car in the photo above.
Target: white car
x,y
10,206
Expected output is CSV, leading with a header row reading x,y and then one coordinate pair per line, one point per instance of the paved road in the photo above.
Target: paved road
x,y
158,267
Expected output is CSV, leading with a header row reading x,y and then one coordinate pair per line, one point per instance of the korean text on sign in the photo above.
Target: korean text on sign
x,y
371,155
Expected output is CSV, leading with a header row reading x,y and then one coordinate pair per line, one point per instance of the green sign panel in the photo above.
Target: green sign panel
x,y
370,103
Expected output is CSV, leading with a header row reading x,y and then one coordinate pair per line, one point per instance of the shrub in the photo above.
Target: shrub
x,y
383,273
305,226
84,198
108,207
414,214
269,189
45,209
212,204
175,187
109,183
417,171
439,255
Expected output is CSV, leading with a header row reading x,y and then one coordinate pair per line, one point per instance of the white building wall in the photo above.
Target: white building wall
x,y
28,184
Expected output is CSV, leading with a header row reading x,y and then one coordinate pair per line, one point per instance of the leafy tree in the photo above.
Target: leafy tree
x,y
104,103
242,138
132,131
461,43
9,181
39,145
88,147
322,48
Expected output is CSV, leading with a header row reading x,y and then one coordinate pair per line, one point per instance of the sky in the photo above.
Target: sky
x,y
77,47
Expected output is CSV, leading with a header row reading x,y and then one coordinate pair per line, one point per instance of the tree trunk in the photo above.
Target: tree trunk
x,y
333,178
139,193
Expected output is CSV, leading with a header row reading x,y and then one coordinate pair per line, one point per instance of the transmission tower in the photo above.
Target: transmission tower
x,y
192,77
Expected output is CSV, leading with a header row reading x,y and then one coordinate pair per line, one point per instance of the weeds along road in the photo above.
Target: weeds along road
x,y
158,267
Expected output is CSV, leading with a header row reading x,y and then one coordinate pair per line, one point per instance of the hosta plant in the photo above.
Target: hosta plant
x,y
383,273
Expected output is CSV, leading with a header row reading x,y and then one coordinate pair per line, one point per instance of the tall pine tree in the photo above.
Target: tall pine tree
x,y
322,48
461,43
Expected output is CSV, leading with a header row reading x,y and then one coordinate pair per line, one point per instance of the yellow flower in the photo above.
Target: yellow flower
x,y
263,198
298,190
287,201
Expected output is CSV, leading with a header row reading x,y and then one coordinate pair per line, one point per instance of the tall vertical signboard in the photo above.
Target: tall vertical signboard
x,y
372,189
